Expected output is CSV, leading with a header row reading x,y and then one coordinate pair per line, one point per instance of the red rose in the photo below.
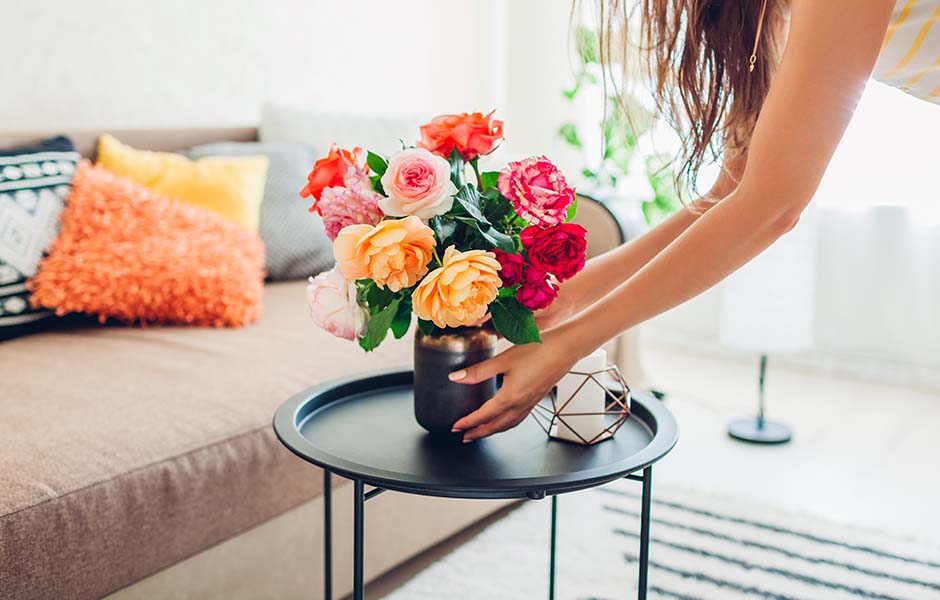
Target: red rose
x,y
536,291
513,267
329,171
559,250
472,134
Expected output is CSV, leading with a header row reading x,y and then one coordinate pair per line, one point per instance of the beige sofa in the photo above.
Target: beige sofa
x,y
140,462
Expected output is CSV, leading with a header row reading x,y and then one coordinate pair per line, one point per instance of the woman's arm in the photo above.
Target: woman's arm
x,y
831,49
604,273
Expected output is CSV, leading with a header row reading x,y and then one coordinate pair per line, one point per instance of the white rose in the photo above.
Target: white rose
x,y
334,307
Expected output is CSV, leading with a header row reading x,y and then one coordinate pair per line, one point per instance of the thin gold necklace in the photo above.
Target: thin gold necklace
x,y
760,28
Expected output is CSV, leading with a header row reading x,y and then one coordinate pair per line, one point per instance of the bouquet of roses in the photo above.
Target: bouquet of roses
x,y
416,233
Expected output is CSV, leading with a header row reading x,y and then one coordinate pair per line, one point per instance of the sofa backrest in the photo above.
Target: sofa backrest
x,y
150,139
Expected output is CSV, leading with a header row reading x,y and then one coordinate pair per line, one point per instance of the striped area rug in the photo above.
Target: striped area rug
x,y
703,548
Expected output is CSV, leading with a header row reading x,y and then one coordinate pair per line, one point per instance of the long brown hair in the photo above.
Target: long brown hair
x,y
695,54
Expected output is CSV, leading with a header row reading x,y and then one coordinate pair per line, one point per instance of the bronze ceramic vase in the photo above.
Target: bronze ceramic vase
x,y
439,402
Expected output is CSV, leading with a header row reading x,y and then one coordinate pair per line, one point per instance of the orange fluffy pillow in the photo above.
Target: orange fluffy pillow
x,y
126,252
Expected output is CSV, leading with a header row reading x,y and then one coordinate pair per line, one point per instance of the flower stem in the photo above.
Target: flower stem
x,y
476,171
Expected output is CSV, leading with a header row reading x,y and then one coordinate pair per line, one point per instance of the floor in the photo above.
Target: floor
x,y
862,454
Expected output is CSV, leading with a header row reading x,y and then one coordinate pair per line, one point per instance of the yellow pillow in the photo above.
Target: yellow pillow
x,y
230,186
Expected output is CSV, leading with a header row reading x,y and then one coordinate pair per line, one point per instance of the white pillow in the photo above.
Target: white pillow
x,y
377,133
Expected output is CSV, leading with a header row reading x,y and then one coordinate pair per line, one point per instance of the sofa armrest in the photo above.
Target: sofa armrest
x,y
606,231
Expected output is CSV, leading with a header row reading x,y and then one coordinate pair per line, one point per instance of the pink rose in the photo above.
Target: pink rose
x,y
334,307
353,205
537,189
537,290
417,183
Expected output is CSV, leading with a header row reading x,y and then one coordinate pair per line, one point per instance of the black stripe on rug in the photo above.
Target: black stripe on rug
x,y
704,578
740,562
776,529
760,546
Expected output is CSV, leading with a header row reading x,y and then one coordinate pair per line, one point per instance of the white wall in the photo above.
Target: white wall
x,y
179,63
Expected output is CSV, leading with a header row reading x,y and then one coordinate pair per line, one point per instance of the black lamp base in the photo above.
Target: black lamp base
x,y
751,430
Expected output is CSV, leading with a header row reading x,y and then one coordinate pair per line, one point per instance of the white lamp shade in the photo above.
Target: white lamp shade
x,y
768,305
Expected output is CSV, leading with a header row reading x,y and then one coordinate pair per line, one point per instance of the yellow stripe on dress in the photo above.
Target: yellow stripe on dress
x,y
898,22
913,80
918,41
934,94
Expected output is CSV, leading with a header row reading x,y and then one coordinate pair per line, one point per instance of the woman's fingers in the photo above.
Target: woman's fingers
x,y
480,371
491,409
505,421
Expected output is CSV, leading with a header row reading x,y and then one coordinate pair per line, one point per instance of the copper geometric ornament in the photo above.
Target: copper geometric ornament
x,y
551,411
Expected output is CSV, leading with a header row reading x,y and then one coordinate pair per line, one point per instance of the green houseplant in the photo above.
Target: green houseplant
x,y
617,155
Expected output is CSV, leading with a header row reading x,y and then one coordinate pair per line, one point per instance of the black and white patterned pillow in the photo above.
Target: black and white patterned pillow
x,y
34,181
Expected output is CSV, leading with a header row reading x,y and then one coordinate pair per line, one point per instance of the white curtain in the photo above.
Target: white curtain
x,y
877,253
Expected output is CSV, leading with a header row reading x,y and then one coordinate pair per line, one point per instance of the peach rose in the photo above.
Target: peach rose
x,y
334,307
472,134
459,292
394,254
417,183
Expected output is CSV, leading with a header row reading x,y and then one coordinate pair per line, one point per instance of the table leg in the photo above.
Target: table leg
x,y
358,531
645,532
551,558
327,536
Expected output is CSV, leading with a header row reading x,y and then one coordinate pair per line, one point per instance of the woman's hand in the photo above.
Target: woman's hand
x,y
530,372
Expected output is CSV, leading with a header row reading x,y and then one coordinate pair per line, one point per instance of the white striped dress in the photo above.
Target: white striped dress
x,y
910,53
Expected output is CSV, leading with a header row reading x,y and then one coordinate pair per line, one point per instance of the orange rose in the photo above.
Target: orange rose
x,y
394,254
459,292
329,172
472,134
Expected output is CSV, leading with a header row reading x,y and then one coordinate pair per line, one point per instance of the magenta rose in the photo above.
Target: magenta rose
x,y
537,290
559,250
513,267
356,204
537,189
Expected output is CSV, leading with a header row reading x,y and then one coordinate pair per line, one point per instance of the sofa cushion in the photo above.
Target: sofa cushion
x,y
125,450
295,242
231,187
34,181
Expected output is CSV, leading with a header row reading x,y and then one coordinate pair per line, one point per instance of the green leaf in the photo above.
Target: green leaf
x,y
378,326
376,297
377,163
489,179
443,229
426,327
514,321
468,211
572,210
377,184
573,91
589,174
588,45
402,321
506,292
569,133
456,167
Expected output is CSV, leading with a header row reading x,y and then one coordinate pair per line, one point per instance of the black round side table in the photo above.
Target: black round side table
x,y
328,424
